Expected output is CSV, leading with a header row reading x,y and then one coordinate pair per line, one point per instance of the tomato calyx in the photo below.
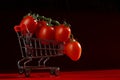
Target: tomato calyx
x,y
55,22
34,15
40,18
66,24
72,37
49,20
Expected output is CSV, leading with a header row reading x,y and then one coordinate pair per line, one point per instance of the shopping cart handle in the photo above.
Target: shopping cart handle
x,y
17,28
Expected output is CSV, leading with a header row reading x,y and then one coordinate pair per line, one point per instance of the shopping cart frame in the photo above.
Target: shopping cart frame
x,y
29,53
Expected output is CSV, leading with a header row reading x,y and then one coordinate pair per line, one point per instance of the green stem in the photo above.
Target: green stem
x,y
55,22
66,24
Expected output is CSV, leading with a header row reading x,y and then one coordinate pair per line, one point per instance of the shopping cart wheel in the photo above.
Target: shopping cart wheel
x,y
55,71
21,71
27,72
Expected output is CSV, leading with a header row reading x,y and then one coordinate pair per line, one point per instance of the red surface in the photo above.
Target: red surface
x,y
73,75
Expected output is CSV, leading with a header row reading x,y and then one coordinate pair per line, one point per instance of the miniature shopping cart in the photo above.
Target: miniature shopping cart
x,y
34,48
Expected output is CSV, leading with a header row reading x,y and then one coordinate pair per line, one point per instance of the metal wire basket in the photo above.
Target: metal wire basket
x,y
42,50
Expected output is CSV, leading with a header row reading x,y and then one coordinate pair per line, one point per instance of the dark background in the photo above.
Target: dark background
x,y
94,23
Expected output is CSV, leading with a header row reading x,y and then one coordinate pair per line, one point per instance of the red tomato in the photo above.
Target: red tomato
x,y
46,33
73,50
28,24
62,33
40,24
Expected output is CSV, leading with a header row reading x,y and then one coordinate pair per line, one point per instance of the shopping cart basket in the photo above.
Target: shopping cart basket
x,y
32,48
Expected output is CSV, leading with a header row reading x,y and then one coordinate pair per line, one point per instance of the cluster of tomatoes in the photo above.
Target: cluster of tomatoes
x,y
48,29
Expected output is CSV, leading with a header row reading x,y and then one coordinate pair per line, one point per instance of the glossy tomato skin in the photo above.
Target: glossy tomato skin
x,y
73,50
62,33
40,24
46,33
28,23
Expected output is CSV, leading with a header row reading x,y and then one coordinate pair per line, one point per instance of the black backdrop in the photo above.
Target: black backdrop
x,y
94,23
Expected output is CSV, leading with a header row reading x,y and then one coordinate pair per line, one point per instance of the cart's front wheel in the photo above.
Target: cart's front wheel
x,y
55,71
27,72
21,71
